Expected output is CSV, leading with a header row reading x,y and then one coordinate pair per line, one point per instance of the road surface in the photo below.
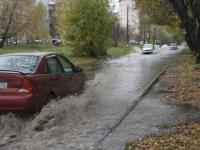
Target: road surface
x,y
90,120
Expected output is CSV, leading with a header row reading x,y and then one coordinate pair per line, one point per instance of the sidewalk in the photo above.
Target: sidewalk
x,y
180,87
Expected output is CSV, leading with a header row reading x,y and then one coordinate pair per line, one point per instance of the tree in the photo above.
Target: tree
x,y
189,16
118,34
15,16
62,10
189,12
159,13
38,26
87,26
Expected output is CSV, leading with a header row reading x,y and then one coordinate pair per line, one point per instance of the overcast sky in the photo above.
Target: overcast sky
x,y
115,3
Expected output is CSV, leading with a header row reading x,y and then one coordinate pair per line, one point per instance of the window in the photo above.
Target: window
x,y
26,64
54,65
46,68
67,66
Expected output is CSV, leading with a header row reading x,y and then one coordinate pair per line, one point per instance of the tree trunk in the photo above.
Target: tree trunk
x,y
197,57
2,43
189,12
144,34
149,34
116,43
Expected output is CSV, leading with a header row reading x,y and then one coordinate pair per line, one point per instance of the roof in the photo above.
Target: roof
x,y
29,54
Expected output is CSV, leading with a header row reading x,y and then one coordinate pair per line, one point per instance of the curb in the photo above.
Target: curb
x,y
133,106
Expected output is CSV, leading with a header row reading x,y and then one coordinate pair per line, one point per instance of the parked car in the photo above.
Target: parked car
x,y
13,41
30,80
56,42
17,42
38,41
148,48
173,46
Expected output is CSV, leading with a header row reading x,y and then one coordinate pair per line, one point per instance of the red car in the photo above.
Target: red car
x,y
29,80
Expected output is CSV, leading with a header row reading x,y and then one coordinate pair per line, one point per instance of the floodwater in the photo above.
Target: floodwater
x,y
92,119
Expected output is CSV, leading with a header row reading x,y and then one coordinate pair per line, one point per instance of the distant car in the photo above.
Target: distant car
x,y
17,42
56,42
164,46
30,80
132,42
157,46
148,48
173,46
38,41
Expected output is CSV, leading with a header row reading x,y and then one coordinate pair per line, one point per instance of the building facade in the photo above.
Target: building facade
x,y
50,14
129,17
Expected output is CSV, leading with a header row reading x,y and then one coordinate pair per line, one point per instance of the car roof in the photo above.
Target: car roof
x,y
29,54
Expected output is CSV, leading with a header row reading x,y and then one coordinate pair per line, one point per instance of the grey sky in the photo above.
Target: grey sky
x,y
115,4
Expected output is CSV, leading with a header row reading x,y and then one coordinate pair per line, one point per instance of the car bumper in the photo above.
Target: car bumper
x,y
19,103
147,51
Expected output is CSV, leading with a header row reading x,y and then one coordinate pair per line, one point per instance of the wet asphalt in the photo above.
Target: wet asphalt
x,y
91,120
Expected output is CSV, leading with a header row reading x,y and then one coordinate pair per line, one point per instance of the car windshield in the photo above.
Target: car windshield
x,y
24,64
148,46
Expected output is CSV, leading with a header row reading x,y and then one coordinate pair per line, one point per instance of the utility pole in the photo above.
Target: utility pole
x,y
127,27
51,10
144,33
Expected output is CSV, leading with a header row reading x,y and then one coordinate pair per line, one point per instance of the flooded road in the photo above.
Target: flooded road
x,y
87,121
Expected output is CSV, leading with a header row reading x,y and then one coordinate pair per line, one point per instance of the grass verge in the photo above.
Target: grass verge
x,y
67,51
119,51
186,80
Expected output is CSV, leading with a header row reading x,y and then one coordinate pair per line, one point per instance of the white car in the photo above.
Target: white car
x,y
164,46
156,46
147,48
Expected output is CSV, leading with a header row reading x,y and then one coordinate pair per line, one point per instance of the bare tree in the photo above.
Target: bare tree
x,y
118,34
189,12
38,24
15,16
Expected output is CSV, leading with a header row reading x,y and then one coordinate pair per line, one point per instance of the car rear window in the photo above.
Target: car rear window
x,y
25,64
148,46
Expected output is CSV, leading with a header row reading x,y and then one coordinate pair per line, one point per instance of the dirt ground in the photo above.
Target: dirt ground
x,y
183,81
180,84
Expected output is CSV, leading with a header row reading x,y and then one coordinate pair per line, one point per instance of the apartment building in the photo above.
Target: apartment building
x,y
129,17
50,5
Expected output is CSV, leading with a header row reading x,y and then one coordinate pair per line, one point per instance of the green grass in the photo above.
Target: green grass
x,y
119,51
186,51
67,51
28,48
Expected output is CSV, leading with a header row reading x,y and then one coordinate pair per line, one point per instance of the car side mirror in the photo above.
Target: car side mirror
x,y
78,69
